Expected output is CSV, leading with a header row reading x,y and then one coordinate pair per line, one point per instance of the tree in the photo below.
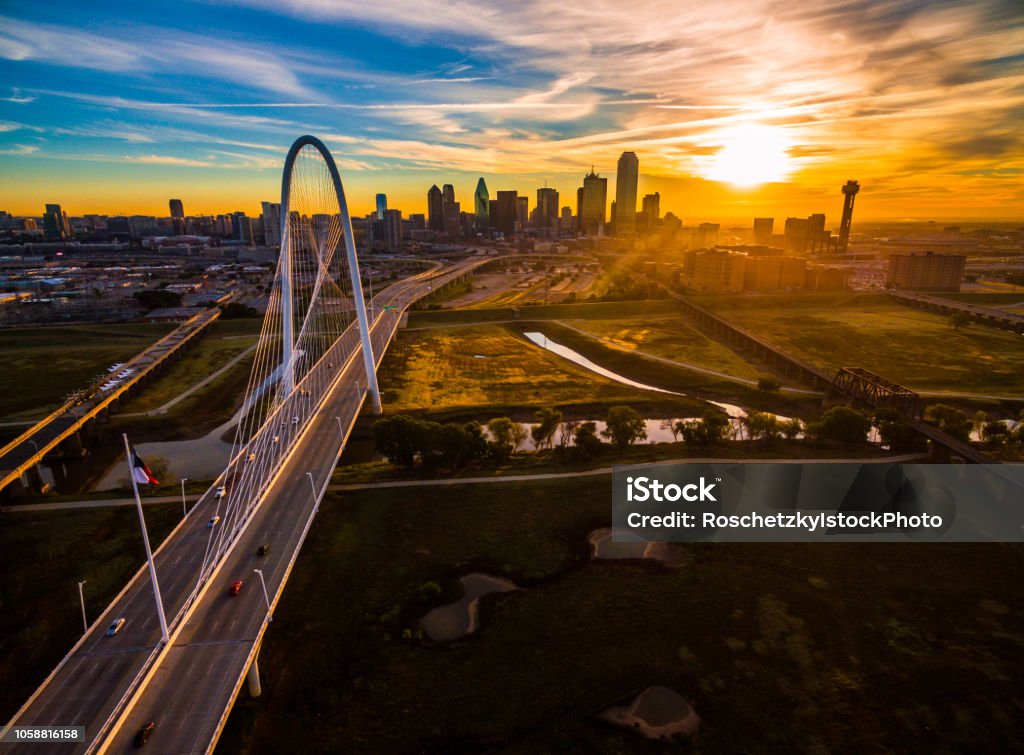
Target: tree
x,y
519,435
566,432
893,430
675,426
768,385
959,320
624,426
157,299
398,439
234,310
547,423
791,428
585,440
713,427
950,420
995,433
762,425
841,424
502,443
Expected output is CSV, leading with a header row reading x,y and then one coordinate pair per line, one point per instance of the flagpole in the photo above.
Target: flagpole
x,y
145,540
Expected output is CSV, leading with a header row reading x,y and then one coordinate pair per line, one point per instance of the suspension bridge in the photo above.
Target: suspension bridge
x,y
313,369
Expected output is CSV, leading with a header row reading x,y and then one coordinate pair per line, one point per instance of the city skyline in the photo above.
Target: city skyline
x,y
734,110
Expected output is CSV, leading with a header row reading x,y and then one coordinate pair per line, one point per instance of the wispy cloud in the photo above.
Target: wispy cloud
x,y
904,93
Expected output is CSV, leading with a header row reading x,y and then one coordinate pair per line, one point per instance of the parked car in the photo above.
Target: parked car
x,y
236,587
143,734
115,626
213,521
264,549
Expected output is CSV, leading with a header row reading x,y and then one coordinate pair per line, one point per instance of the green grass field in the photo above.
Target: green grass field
x,y
490,368
916,348
805,648
586,311
672,338
223,342
43,365
44,555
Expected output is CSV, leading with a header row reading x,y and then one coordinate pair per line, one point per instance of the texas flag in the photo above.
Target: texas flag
x,y
141,472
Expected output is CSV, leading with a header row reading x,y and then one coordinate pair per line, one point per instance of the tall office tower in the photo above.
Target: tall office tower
x,y
177,216
272,223
505,211
625,193
452,219
448,193
579,209
55,222
547,208
707,235
849,192
522,211
652,208
816,232
384,232
435,209
797,234
594,200
239,226
763,229
565,225
481,204
382,205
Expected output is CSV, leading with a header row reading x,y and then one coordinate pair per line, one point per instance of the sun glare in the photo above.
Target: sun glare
x,y
751,154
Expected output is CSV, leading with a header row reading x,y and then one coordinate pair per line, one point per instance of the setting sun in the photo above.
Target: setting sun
x,y
751,154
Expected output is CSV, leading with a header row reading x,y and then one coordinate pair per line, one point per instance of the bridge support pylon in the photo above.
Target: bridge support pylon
x,y
253,677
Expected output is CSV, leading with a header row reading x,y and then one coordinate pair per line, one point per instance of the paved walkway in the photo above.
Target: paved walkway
x,y
448,481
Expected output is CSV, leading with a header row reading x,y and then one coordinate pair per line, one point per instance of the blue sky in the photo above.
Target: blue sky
x,y
113,107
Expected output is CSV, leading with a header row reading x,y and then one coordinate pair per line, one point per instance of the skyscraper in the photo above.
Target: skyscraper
x,y
565,226
815,231
505,212
522,211
849,192
763,229
594,200
481,204
448,193
652,207
435,209
547,208
452,219
177,216
272,223
797,234
55,222
382,205
625,193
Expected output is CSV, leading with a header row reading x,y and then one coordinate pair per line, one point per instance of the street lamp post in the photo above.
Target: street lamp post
x,y
270,616
340,428
312,485
81,599
184,511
